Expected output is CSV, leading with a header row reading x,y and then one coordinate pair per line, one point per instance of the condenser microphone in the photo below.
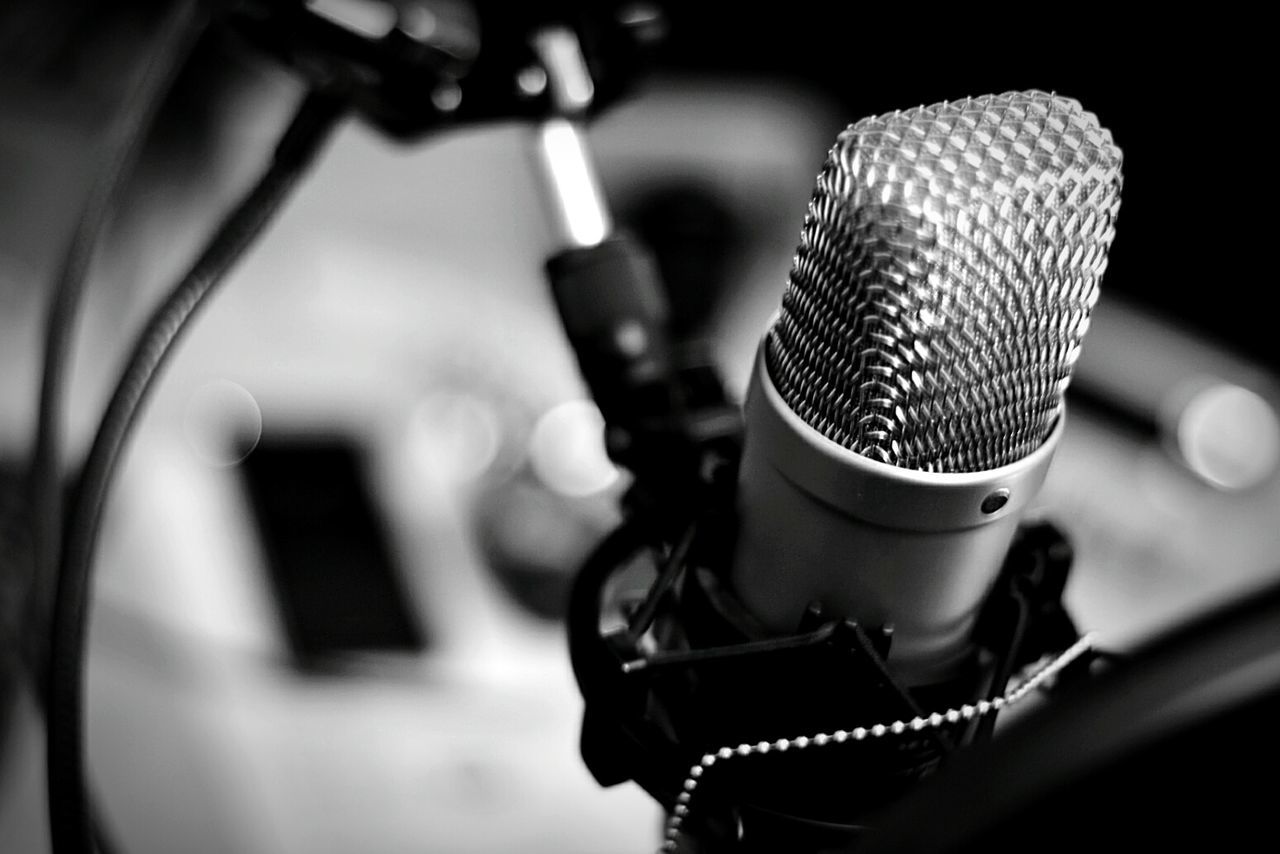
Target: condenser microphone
x,y
908,396
858,590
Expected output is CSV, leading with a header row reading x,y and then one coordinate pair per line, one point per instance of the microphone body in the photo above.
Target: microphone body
x,y
914,552
908,397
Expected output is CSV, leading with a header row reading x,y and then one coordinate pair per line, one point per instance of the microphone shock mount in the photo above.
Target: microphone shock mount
x,y
676,676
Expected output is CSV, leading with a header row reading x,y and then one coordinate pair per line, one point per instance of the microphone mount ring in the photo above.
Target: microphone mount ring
x,y
654,697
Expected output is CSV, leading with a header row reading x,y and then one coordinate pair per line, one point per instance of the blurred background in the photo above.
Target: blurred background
x,y
329,596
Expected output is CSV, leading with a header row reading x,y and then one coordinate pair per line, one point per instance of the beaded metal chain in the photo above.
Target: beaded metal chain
x,y
968,711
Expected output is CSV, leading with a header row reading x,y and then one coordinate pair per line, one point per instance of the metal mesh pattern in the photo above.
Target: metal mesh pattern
x,y
947,268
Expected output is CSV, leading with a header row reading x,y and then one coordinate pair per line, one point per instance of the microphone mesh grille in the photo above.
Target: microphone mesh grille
x,y
946,271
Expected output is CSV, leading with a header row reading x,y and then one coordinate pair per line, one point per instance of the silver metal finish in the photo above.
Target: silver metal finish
x,y
572,88
881,544
577,211
908,396
946,271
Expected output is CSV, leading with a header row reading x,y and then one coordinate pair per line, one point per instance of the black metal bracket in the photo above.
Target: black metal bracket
x,y
415,66
668,418
674,681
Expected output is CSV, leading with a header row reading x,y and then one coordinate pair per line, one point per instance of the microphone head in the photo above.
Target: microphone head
x,y
946,271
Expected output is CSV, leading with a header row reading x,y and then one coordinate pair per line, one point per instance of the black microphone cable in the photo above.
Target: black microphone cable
x,y
69,808
176,36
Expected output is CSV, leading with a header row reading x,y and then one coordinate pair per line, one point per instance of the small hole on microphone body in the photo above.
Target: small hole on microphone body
x,y
995,501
